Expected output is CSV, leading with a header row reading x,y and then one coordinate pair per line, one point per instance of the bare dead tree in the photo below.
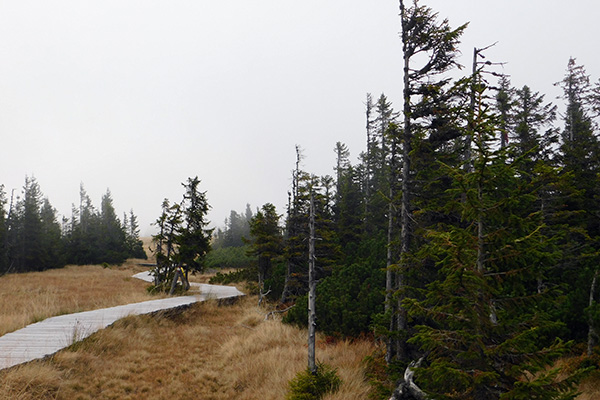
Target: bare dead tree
x,y
312,284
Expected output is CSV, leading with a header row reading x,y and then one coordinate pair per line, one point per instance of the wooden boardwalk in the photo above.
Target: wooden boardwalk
x,y
53,334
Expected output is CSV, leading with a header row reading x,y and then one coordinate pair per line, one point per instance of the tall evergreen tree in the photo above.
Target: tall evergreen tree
x,y
194,238
113,245
3,233
183,239
267,241
579,157
53,254
423,38
486,331
132,232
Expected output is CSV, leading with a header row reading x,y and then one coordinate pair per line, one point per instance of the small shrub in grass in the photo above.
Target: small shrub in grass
x,y
309,386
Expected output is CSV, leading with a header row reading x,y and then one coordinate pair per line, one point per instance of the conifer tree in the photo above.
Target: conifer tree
x,y
267,243
579,157
183,239
134,244
112,243
194,238
3,233
485,327
423,38
52,243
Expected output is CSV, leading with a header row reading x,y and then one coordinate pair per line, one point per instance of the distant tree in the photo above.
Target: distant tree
x,y
53,254
235,231
29,252
183,239
112,236
165,244
132,232
579,157
267,241
3,233
530,115
194,237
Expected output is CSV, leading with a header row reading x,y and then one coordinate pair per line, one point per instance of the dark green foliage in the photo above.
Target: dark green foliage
x,y
239,275
135,246
484,323
4,265
96,236
267,240
183,238
194,237
347,301
229,257
31,238
309,386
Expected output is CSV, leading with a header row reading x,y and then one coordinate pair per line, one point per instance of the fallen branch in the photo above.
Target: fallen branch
x,y
271,313
262,296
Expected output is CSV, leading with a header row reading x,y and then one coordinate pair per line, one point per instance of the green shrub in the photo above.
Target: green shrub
x,y
347,301
309,386
229,257
240,275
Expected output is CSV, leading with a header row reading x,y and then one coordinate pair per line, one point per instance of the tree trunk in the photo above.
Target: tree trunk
x,y
592,334
405,226
407,389
390,276
288,264
175,279
311,291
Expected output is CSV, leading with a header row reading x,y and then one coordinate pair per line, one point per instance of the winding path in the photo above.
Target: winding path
x,y
53,334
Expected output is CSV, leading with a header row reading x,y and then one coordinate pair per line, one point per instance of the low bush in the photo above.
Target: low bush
x,y
309,386
229,257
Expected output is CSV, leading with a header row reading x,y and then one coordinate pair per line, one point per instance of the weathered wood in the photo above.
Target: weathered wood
x,y
312,284
407,389
53,334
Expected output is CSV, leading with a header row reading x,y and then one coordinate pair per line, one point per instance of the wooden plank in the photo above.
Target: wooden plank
x,y
53,334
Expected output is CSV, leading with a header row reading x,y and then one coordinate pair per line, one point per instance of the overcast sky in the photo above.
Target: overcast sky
x,y
137,96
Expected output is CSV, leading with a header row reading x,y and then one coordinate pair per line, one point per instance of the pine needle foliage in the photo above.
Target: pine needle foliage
x,y
484,324
313,386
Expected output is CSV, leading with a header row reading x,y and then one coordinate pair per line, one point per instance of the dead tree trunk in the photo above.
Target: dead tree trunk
x,y
179,274
312,324
592,334
390,278
408,389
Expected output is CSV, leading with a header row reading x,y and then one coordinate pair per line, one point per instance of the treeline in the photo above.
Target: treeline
x,y
235,230
467,236
33,239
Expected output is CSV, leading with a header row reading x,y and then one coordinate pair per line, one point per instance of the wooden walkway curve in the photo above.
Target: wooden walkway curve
x,y
53,334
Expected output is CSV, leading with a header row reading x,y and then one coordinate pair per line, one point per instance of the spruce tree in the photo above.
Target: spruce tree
x,y
3,233
484,325
267,241
423,38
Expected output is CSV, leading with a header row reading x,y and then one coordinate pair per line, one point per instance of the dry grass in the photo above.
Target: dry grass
x,y
31,297
208,352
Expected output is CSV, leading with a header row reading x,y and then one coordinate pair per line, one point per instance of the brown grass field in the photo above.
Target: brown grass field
x,y
31,297
209,351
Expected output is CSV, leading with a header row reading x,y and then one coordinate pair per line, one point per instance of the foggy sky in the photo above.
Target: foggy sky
x,y
137,96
